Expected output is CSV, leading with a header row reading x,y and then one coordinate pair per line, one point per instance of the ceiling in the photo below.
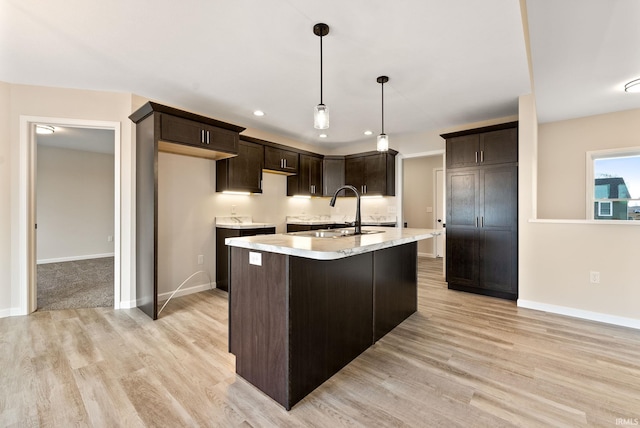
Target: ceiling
x,y
85,139
449,62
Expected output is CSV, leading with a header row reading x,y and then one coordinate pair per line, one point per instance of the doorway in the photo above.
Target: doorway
x,y
423,200
75,217
26,242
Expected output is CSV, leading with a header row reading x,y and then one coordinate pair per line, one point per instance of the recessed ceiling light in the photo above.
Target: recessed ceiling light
x,y
323,135
45,129
633,86
367,132
259,113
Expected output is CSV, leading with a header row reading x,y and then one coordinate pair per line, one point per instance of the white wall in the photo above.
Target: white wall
x,y
75,203
17,101
418,194
5,200
562,151
556,256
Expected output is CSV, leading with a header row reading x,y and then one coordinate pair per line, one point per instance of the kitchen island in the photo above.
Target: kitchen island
x,y
302,307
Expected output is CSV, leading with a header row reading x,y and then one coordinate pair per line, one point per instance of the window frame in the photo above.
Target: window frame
x,y
591,157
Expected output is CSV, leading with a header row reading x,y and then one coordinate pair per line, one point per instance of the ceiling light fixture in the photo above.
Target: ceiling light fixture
x,y
258,113
633,86
367,132
321,111
323,135
383,139
45,129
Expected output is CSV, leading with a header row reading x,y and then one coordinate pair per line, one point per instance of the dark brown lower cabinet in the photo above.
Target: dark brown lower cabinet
x,y
222,251
482,230
295,322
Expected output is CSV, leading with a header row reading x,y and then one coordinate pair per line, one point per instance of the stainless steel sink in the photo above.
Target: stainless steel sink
x,y
332,233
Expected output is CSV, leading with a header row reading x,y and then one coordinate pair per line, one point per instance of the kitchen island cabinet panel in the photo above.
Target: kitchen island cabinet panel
x,y
258,327
331,305
395,293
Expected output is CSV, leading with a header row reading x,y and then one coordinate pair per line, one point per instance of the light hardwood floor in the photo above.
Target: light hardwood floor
x,y
462,360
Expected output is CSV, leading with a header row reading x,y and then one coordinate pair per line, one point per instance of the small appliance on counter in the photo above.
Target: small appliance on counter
x,y
233,227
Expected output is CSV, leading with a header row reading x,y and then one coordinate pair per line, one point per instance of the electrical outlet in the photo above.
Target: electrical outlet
x,y
594,277
233,210
200,259
110,238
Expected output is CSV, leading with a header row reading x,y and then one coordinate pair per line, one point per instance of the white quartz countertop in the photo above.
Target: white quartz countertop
x,y
332,248
240,222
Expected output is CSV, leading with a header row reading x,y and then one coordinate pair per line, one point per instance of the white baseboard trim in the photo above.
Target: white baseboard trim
x,y
127,304
11,312
74,258
187,290
579,313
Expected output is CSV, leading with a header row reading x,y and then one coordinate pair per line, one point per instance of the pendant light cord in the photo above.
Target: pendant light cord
x,y
321,69
382,107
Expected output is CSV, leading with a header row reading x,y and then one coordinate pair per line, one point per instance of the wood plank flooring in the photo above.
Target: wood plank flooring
x,y
462,360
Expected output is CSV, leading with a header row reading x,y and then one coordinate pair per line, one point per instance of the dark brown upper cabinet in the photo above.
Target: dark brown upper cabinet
x,y
491,145
308,181
332,175
242,173
181,132
372,173
280,160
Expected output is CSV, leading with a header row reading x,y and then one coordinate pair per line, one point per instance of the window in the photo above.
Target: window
x,y
613,184
605,208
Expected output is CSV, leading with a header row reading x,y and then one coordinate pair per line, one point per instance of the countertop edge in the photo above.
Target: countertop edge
x,y
329,254
244,225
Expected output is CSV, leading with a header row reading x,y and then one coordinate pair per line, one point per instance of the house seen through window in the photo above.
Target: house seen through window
x,y
615,191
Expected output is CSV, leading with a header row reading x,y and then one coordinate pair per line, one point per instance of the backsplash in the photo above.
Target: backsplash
x,y
338,218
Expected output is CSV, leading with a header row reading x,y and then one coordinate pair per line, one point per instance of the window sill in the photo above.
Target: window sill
x,y
578,221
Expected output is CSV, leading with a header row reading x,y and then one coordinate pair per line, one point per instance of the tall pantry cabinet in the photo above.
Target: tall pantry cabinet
x,y
482,210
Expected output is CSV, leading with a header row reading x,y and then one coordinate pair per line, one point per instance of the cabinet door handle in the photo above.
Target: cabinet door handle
x,y
476,157
365,188
208,137
476,221
202,136
482,221
285,163
482,156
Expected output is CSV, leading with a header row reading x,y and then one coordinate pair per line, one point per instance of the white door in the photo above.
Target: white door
x,y
439,204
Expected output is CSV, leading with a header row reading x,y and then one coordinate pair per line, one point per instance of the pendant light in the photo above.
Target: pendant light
x,y
321,111
383,139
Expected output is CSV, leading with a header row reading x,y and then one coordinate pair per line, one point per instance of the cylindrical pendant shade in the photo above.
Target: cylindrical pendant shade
x,y
321,117
383,143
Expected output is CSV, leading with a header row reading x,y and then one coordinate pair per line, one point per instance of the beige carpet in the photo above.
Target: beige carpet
x,y
76,284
